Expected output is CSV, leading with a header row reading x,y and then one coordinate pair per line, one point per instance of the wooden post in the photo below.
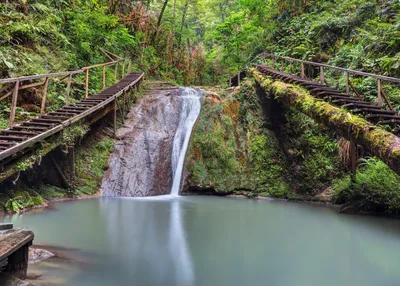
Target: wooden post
x,y
68,89
18,262
44,97
303,70
123,107
347,83
322,75
87,83
129,66
380,101
353,159
104,77
123,69
115,117
60,173
71,158
239,79
14,104
115,71
283,65
387,100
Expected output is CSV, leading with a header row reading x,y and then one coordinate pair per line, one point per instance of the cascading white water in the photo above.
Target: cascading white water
x,y
190,110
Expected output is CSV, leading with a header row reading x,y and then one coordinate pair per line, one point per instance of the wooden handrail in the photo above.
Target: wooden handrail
x,y
381,94
40,76
18,80
103,65
354,72
57,74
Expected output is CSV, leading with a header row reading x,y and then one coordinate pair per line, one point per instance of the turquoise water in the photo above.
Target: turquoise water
x,y
207,241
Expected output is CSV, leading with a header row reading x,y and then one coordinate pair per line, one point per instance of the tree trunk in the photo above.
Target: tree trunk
x,y
185,10
379,142
159,21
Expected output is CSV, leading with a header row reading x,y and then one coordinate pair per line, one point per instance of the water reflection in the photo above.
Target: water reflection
x,y
199,241
149,253
178,247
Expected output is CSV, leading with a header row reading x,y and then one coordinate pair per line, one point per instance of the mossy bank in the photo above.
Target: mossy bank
x,y
246,143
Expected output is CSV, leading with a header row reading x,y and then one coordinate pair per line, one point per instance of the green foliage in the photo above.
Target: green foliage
x,y
375,188
23,199
315,152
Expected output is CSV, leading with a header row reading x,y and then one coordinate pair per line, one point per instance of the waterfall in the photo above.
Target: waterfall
x,y
190,110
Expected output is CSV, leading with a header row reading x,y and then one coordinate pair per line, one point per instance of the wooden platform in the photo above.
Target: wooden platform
x,y
14,250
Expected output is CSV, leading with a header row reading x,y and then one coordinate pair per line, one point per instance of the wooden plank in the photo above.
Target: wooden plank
x,y
17,132
104,77
12,240
380,101
321,75
33,77
87,83
60,173
374,111
68,91
44,96
22,88
14,104
114,55
115,71
13,137
6,226
387,100
355,90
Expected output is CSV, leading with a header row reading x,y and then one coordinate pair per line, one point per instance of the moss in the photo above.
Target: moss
x,y
91,162
380,142
268,165
51,192
231,151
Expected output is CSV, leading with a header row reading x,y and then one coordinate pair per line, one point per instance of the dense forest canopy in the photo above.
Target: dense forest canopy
x,y
197,42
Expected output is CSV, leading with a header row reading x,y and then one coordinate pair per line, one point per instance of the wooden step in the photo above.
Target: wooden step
x,y
17,132
361,105
341,97
386,116
374,111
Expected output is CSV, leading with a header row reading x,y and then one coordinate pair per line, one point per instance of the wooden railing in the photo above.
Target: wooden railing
x,y
45,80
282,62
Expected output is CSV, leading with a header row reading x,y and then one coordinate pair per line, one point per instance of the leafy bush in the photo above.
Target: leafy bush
x,y
375,188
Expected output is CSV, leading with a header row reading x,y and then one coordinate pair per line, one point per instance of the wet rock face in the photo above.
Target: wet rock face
x,y
140,165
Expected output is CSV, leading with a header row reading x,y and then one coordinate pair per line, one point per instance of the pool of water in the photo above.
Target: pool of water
x,y
207,241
